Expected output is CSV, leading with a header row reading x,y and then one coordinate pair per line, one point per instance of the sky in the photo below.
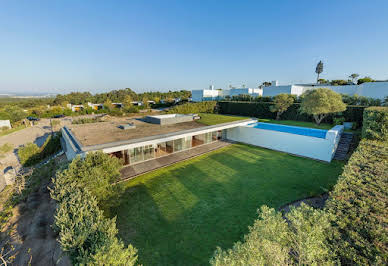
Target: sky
x,y
61,46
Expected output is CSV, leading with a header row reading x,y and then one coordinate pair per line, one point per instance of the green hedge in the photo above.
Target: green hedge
x,y
194,108
262,110
375,123
359,203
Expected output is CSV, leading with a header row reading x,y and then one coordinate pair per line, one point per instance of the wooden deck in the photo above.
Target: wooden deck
x,y
129,172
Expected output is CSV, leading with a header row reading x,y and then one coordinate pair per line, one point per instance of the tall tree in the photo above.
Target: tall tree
x,y
354,77
319,69
321,102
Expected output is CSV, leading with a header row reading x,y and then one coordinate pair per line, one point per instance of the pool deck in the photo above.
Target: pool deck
x,y
129,172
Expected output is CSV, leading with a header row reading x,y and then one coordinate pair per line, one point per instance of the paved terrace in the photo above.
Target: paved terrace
x,y
147,166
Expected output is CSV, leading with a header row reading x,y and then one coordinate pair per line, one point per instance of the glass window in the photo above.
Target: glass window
x,y
148,152
136,154
178,145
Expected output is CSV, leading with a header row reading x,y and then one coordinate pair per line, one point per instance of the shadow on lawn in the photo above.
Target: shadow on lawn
x,y
176,218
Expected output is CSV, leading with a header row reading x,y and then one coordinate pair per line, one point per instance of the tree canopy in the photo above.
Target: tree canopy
x,y
321,102
281,104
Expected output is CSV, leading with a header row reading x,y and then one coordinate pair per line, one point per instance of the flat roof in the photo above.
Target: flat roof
x,y
107,132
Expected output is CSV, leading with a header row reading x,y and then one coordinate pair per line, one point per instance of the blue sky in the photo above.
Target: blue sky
x,y
62,46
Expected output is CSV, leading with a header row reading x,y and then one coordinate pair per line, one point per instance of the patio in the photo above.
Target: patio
x,y
129,172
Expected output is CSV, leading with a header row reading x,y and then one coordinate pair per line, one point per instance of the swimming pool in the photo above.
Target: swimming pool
x,y
312,132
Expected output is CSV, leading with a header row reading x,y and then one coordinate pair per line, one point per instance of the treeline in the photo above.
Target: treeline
x,y
119,96
350,230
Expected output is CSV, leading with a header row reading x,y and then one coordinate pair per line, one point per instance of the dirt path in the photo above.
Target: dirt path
x,y
30,233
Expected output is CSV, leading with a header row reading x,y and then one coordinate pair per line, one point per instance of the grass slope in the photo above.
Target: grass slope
x,y
178,215
214,119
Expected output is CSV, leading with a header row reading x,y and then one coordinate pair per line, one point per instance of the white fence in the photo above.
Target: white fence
x,y
307,146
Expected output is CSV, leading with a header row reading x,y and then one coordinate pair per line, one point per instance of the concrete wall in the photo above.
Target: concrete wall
x,y
5,123
173,119
275,90
311,147
68,145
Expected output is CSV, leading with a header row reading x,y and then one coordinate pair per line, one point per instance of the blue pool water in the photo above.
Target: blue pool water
x,y
312,132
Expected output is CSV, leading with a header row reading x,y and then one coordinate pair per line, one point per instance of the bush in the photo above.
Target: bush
x,y
375,123
338,120
84,233
31,154
273,240
358,205
262,110
194,108
86,120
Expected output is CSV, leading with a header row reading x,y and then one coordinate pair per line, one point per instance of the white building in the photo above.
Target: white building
x,y
377,90
212,94
5,124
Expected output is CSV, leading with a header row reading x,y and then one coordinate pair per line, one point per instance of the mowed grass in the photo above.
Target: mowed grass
x,y
214,119
178,215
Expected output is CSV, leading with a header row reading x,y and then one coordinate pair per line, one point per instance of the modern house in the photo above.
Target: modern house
x,y
146,139
157,136
75,107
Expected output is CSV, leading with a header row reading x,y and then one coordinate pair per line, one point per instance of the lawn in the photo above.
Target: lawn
x,y
213,119
178,215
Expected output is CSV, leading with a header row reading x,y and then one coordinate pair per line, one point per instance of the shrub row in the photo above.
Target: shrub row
x,y
84,233
262,110
193,108
359,203
31,154
375,123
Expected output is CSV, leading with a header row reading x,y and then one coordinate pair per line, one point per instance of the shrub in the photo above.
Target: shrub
x,y
375,123
358,205
281,103
338,120
193,108
31,154
273,240
86,120
84,233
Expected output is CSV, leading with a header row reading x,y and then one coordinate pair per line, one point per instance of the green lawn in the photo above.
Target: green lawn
x,y
178,215
213,119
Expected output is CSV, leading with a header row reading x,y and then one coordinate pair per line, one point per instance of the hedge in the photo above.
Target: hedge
x,y
262,110
359,205
194,108
375,123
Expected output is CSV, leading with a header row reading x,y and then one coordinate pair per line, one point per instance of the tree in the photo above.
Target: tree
x,y
319,69
302,239
145,102
365,79
323,81
354,77
266,83
127,101
321,102
108,105
281,104
15,113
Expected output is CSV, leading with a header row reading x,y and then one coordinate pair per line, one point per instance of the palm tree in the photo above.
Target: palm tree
x,y
319,69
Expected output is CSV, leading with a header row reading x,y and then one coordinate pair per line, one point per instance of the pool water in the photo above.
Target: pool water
x,y
312,132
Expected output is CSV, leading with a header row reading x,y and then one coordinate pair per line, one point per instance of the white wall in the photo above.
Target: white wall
x,y
275,90
5,123
311,147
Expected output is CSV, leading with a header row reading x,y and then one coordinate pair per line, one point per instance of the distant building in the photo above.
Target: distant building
x,y
212,94
96,106
75,107
377,90
5,124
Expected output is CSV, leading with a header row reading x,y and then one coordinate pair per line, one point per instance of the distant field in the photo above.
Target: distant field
x,y
214,119
178,215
